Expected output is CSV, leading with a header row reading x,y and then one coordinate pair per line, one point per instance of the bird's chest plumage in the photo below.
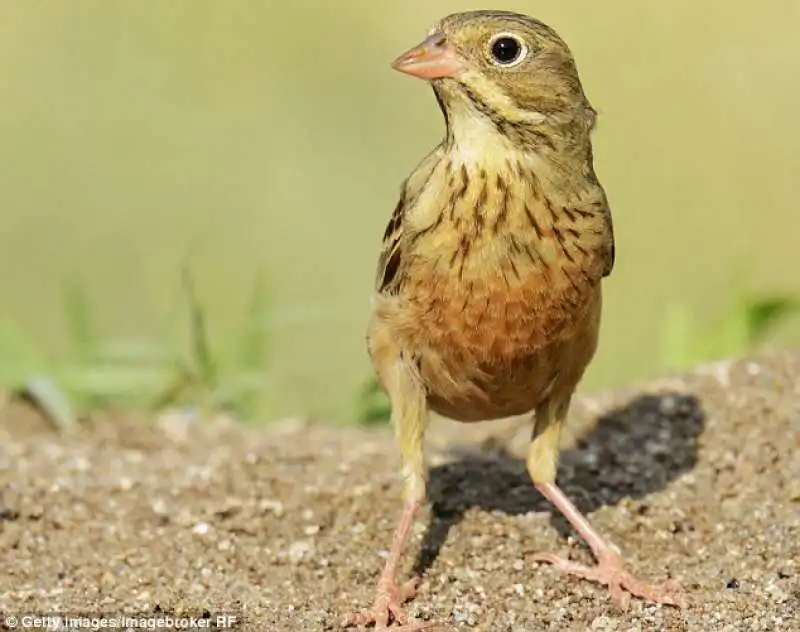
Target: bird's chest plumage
x,y
496,279
496,302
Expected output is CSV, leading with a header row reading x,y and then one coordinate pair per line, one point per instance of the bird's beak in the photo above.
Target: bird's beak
x,y
431,59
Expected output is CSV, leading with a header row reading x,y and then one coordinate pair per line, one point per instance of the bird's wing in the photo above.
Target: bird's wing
x,y
610,253
389,277
592,205
390,258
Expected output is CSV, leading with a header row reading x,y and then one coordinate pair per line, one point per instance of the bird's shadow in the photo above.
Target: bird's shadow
x,y
632,451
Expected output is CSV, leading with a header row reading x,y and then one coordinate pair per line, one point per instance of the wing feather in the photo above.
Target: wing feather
x,y
392,258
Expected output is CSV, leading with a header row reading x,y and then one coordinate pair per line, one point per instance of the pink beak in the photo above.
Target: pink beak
x,y
431,59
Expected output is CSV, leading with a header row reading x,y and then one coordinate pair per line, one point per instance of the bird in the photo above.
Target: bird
x,y
487,298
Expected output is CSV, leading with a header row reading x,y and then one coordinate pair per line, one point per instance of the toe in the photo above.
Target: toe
x,y
610,571
668,592
568,567
399,614
381,617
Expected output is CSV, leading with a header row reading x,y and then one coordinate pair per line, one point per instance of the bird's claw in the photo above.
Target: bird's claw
x,y
610,571
388,604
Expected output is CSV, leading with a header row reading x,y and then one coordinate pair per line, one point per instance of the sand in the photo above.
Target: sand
x,y
695,477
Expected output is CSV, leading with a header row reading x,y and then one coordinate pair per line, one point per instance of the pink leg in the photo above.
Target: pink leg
x,y
610,568
389,596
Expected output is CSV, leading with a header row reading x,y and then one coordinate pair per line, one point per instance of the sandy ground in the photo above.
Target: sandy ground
x,y
695,477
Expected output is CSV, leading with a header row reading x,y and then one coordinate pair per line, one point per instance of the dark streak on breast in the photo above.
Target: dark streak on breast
x,y
502,213
534,257
571,280
480,203
461,255
468,294
514,267
533,180
533,221
549,206
563,244
515,166
459,192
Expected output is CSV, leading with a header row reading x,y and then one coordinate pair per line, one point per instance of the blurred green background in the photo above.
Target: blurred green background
x,y
246,136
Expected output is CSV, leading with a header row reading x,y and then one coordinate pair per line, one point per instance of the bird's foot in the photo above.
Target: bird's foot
x,y
388,606
610,571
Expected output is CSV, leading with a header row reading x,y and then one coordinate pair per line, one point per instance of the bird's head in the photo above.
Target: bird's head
x,y
506,67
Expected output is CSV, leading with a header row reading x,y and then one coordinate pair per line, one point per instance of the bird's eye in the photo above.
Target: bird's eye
x,y
507,49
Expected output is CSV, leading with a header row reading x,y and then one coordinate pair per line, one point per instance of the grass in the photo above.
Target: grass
x,y
98,374
747,324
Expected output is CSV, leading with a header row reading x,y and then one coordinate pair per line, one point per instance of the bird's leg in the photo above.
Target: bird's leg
x,y
389,597
610,568
409,416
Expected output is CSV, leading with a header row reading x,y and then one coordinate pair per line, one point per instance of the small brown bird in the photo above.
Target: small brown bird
x,y
488,286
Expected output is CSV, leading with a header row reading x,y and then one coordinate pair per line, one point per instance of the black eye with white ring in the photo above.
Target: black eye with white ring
x,y
507,49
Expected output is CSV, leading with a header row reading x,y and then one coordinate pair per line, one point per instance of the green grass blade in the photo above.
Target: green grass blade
x,y
79,320
45,394
199,341
372,406
763,314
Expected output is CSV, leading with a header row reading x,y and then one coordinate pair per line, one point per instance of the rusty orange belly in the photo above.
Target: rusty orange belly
x,y
499,351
